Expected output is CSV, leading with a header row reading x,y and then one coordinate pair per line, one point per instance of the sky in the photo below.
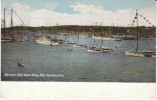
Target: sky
x,y
79,12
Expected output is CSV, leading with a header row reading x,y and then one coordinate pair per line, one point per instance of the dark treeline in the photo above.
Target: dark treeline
x,y
143,31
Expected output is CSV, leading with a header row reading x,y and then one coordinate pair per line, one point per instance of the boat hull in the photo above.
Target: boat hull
x,y
134,54
47,42
106,51
106,38
92,50
139,54
79,46
71,43
101,49
55,44
5,41
43,42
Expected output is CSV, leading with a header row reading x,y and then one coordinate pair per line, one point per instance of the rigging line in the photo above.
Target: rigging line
x,y
8,13
148,44
7,10
19,17
134,21
18,20
146,19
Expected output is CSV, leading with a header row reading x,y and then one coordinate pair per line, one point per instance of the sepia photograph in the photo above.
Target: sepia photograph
x,y
78,41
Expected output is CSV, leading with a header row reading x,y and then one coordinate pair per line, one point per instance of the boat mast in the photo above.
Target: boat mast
x,y
4,22
11,17
93,34
102,36
21,33
11,33
78,39
94,39
94,31
137,30
57,31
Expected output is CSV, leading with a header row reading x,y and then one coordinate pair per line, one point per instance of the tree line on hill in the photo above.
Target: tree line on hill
x,y
90,30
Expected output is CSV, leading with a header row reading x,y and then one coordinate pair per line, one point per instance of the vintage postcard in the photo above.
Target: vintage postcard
x,y
78,41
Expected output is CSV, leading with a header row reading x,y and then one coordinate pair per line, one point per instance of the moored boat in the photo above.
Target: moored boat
x,y
99,49
6,40
54,42
138,53
71,43
43,40
116,38
79,45
93,49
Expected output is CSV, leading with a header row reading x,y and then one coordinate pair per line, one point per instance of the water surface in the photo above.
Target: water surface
x,y
78,65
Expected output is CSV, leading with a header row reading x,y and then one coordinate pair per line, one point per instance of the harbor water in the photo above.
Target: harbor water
x,y
56,63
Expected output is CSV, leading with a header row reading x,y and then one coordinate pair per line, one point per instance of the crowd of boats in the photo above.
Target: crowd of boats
x,y
55,41
47,40
14,38
106,49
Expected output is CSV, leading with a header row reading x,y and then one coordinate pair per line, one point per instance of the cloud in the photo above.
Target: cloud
x,y
21,7
48,17
87,14
120,17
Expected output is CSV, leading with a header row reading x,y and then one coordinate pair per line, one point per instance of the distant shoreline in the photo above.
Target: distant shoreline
x,y
86,30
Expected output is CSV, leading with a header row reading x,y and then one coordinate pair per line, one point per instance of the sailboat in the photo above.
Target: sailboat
x,y
100,49
57,41
54,41
79,45
68,41
115,38
43,40
46,40
9,33
138,53
9,37
104,49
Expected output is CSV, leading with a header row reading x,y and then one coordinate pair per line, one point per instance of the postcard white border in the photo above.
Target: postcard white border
x,y
79,90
